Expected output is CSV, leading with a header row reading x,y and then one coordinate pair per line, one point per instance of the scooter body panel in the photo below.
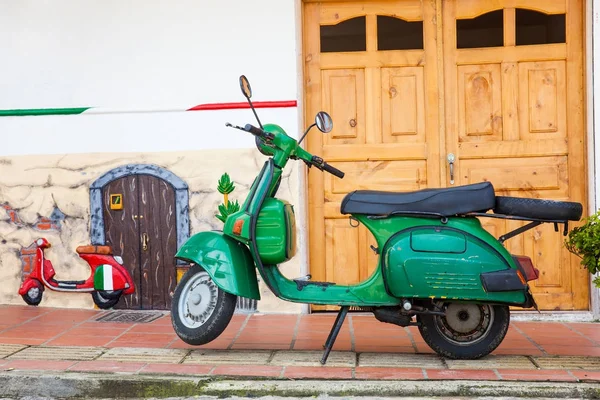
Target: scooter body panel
x,y
446,263
419,258
227,261
107,274
30,283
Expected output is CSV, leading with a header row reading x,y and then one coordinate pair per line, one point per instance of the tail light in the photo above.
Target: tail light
x,y
526,267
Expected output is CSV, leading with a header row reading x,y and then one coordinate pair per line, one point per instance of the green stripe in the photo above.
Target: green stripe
x,y
23,112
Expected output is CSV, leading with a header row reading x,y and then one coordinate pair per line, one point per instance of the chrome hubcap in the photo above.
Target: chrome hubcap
x,y
33,292
198,300
465,324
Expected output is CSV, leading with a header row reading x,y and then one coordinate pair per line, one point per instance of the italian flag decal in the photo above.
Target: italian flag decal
x,y
103,279
28,112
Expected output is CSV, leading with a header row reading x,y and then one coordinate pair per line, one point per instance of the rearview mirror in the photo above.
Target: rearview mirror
x,y
245,86
324,122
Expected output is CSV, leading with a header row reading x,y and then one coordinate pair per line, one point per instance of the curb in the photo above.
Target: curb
x,y
111,385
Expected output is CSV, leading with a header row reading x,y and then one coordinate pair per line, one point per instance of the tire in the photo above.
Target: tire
x,y
33,297
539,209
106,300
452,336
207,308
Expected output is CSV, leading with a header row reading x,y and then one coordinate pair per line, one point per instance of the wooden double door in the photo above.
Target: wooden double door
x,y
144,234
495,85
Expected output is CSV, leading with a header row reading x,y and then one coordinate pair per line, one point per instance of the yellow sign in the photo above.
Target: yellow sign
x,y
116,201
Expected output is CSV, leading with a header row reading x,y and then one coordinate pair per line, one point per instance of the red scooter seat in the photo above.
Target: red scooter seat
x,y
91,249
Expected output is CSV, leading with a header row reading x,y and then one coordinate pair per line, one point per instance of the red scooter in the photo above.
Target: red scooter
x,y
107,282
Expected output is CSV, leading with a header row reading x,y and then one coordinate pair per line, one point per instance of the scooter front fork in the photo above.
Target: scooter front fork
x,y
337,325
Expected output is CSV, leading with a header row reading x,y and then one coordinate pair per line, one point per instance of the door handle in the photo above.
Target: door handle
x,y
451,160
145,240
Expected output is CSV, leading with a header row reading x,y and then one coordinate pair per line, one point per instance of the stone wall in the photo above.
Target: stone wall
x,y
49,196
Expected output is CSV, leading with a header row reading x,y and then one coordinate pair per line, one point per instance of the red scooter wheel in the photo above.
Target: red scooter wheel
x,y
34,295
106,300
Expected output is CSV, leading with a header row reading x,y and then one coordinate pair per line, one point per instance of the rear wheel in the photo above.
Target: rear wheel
x,y
200,310
105,299
467,331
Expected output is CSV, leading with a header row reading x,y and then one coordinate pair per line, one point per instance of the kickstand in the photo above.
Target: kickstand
x,y
337,325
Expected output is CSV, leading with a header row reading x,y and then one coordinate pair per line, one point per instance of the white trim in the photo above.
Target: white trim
x,y
552,316
592,52
59,289
302,219
107,275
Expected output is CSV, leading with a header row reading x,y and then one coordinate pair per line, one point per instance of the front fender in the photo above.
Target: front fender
x,y
228,262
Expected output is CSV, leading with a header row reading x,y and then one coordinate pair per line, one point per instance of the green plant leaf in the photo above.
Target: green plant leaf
x,y
225,184
584,241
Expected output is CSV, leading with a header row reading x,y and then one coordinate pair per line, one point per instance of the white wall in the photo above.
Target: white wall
x,y
144,55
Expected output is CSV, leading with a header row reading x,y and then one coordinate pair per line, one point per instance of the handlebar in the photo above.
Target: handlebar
x,y
323,166
332,170
316,161
253,130
258,132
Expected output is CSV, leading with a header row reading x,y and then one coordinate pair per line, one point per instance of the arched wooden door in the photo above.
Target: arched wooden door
x,y
497,84
144,234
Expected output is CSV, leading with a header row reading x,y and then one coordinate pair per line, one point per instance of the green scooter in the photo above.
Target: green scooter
x,y
437,269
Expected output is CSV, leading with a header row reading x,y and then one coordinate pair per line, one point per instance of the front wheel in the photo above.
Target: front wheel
x,y
200,310
467,331
33,297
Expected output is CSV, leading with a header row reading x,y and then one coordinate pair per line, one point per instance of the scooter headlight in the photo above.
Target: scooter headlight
x,y
118,259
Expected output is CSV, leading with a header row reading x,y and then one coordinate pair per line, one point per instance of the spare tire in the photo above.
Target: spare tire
x,y
538,209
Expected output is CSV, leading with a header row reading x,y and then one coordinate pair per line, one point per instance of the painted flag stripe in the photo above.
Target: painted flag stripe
x,y
108,277
25,112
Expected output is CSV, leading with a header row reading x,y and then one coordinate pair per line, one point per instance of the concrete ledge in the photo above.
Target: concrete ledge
x,y
106,385
553,316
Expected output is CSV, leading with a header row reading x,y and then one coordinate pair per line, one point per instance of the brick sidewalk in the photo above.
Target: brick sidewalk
x,y
286,346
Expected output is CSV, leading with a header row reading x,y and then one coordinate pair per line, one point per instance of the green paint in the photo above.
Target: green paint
x,y
26,112
228,263
99,278
276,231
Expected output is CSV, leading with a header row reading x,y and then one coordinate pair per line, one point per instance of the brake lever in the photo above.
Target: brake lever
x,y
317,162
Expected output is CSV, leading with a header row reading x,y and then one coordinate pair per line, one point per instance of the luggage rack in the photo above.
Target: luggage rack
x,y
534,222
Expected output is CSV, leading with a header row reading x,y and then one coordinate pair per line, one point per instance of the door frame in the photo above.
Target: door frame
x,y
591,122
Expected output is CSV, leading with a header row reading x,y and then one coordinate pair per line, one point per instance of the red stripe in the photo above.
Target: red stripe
x,y
241,105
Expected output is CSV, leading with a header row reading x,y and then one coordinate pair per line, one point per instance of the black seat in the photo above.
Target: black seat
x,y
477,197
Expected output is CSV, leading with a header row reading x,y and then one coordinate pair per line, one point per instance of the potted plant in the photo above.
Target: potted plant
x,y
584,241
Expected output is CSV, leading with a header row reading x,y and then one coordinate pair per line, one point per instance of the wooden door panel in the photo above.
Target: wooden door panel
x,y
479,103
344,96
411,10
348,264
341,261
121,232
402,105
542,95
541,177
393,176
157,221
